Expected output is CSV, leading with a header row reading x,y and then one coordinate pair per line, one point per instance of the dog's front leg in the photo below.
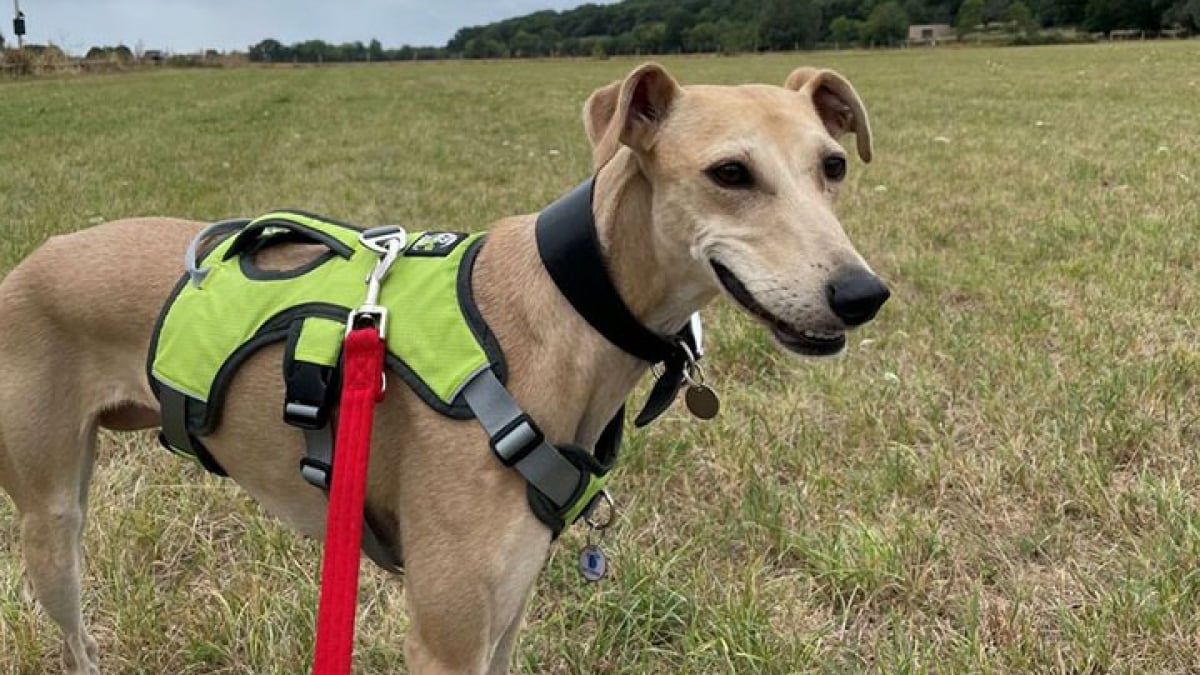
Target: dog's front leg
x,y
467,591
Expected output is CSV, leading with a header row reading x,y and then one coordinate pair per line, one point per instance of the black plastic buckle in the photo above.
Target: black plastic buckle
x,y
304,415
317,473
516,440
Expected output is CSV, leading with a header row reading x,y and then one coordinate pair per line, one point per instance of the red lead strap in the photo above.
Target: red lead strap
x,y
362,387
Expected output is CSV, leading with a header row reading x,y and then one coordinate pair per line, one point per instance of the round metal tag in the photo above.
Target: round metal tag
x,y
593,564
702,401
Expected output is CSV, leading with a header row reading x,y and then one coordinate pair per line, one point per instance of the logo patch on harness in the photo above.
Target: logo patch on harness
x,y
435,244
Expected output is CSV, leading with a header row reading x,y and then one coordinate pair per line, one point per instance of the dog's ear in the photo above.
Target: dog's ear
x,y
629,112
837,103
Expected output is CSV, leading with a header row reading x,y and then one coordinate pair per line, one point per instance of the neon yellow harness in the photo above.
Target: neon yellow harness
x,y
226,308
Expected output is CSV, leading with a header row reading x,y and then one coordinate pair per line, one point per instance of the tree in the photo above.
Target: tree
x,y
887,24
1108,15
525,44
735,37
844,31
970,15
267,50
375,50
1185,13
1104,16
789,24
550,41
484,48
994,10
701,37
1061,12
677,24
650,37
1022,18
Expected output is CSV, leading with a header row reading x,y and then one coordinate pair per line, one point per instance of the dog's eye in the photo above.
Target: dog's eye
x,y
731,175
834,167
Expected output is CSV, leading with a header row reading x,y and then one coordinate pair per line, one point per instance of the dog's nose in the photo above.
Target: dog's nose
x,y
856,295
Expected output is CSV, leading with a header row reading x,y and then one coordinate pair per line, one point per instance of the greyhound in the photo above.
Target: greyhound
x,y
698,190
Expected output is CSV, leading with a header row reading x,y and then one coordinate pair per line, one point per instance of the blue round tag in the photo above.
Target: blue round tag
x,y
593,564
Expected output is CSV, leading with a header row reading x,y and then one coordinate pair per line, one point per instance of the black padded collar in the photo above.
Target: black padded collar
x,y
569,247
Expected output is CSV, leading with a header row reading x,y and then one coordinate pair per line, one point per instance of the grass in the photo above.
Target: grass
x,y
1000,476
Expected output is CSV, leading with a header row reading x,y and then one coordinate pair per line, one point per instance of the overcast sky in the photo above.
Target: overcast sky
x,y
190,25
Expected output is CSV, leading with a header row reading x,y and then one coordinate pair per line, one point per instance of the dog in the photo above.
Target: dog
x,y
699,191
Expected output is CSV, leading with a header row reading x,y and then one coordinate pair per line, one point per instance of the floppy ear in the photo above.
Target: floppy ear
x,y
837,103
629,112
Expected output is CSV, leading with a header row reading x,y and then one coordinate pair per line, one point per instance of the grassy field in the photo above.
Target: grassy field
x,y
1002,475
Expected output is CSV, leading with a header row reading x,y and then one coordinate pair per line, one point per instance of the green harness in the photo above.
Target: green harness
x,y
225,309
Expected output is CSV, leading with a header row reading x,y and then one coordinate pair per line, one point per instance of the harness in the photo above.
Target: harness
x,y
225,308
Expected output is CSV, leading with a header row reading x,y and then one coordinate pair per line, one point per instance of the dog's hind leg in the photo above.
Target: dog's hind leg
x,y
48,445
53,510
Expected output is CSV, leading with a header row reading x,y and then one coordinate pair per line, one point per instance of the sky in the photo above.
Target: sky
x,y
191,25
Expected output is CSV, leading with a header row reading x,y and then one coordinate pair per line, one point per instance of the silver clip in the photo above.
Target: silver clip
x,y
388,242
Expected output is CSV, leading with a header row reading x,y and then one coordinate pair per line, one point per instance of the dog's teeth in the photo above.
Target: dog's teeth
x,y
820,335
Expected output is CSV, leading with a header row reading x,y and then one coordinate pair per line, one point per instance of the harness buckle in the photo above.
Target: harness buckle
x,y
516,440
317,473
304,415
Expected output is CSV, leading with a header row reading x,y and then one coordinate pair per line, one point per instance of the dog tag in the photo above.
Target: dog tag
x,y
702,401
593,564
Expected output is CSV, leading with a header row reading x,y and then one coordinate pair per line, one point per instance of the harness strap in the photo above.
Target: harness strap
x,y
174,420
519,443
175,435
317,469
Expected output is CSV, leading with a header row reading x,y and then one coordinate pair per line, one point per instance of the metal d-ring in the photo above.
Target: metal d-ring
x,y
378,238
589,517
693,372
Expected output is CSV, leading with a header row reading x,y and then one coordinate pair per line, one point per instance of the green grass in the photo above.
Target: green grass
x,y
1000,476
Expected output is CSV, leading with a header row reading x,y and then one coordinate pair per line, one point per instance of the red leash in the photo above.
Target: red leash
x,y
362,387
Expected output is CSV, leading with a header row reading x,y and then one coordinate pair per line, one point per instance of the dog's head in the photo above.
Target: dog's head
x,y
743,180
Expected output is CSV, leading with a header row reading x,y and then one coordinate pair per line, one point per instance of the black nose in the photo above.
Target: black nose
x,y
856,295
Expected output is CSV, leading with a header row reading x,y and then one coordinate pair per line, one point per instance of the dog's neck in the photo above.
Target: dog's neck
x,y
570,378
655,277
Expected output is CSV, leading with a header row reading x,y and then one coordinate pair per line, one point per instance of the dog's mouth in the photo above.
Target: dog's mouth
x,y
798,340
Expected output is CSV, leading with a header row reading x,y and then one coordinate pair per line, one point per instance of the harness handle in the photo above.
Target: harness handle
x,y
194,271
254,232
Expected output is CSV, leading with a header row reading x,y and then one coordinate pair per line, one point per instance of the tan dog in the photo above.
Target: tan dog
x,y
698,189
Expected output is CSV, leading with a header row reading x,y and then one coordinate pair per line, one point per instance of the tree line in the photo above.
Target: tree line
x,y
319,51
683,26
669,26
